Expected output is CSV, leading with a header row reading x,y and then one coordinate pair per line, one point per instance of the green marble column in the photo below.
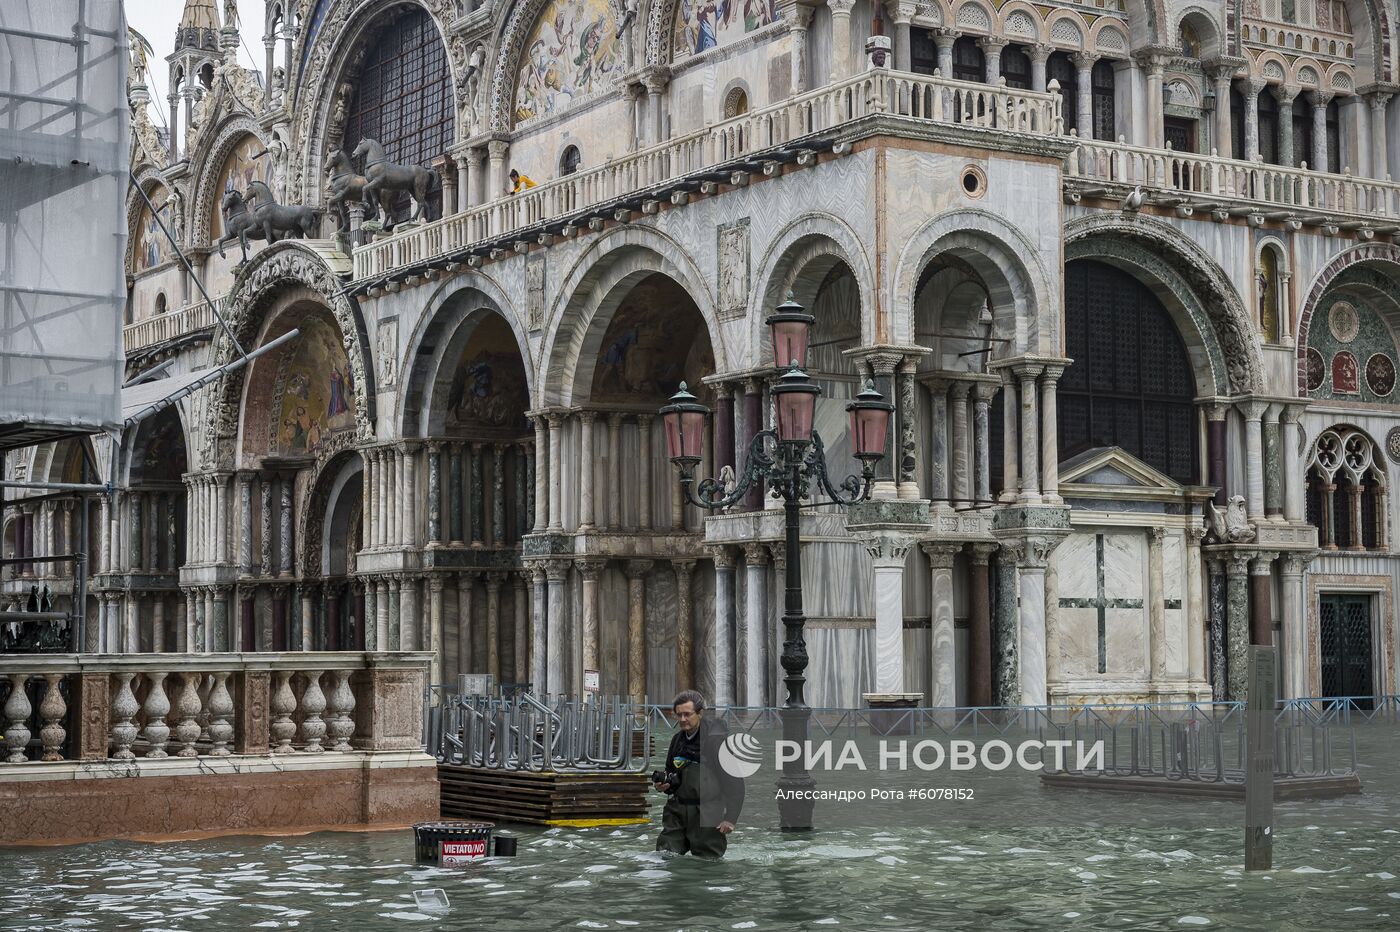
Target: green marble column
x,y
1006,667
1237,627
1273,469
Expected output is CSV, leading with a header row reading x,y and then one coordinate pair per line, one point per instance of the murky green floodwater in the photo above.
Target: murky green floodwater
x,y
1018,856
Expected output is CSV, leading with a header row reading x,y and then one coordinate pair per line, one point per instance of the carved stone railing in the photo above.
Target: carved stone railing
x,y
918,97
93,707
1208,181
163,328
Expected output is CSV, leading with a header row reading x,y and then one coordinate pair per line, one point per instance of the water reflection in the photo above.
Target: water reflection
x,y
1018,857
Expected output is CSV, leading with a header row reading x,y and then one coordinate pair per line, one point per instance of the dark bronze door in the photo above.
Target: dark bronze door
x,y
1345,635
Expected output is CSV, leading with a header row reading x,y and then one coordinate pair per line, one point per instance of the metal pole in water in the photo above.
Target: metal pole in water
x,y
1259,767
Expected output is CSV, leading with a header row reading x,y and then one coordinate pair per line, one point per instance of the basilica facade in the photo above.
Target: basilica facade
x,y
1128,270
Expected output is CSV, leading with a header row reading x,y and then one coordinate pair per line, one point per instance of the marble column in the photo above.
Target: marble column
x,y
557,572
494,581
1261,587
1156,613
991,47
1197,623
539,643
724,626
644,465
1294,474
1154,63
614,472
982,442
685,635
382,610
1319,156
556,510
466,663
1223,76
367,484
1006,671
1034,689
136,557
1236,627
541,474
158,624
589,572
1030,434
1040,54
1010,454
908,431
434,494
520,640
1273,464
942,636
452,497
903,16
755,625
477,495
943,39
266,567
245,524
498,495
1251,90
385,498
497,185
369,620
1253,412
1216,471
938,442
306,632
1050,435
1380,165
585,473
285,527
1285,96
960,443
753,423
888,553
799,22
409,530
523,505
840,38
411,633
1084,94
637,571
1294,649
434,640
979,634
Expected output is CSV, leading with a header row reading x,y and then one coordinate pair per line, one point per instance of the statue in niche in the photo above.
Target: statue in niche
x,y
1230,526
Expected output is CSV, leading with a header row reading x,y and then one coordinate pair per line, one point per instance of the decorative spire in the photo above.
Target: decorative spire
x,y
200,14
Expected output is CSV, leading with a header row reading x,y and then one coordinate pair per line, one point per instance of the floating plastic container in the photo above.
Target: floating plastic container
x,y
451,844
433,900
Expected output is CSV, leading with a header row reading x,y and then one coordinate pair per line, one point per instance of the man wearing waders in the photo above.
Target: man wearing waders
x,y
704,800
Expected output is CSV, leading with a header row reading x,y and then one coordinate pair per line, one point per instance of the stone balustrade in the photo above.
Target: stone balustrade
x,y
926,98
1215,184
163,328
138,707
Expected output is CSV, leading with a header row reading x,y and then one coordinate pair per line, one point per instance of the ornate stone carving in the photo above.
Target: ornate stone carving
x,y
1230,526
732,286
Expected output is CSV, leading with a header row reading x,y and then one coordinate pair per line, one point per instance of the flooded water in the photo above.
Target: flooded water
x,y
1016,856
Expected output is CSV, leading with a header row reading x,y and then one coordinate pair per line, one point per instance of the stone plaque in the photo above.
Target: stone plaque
x,y
1346,375
1392,444
1380,374
733,285
1344,322
534,291
1317,369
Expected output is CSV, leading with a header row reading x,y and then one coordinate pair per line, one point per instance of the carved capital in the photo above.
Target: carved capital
x,y
941,555
638,569
723,556
755,554
591,570
556,569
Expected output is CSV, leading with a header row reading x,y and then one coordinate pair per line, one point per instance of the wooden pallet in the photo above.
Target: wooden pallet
x,y
602,798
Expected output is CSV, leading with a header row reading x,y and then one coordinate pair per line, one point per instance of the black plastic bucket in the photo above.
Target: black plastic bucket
x,y
465,840
506,845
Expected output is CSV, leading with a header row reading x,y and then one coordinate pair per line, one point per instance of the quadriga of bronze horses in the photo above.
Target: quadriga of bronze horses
x,y
279,221
343,185
384,178
238,223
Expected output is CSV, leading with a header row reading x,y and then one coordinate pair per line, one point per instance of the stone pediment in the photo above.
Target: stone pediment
x,y
1114,473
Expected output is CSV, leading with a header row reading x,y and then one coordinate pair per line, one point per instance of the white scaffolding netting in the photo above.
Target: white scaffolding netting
x,y
63,183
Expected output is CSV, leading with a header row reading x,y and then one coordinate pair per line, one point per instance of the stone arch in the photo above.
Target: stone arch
x,y
1037,22
1004,258
452,315
794,262
259,285
1208,311
590,292
330,60
147,179
134,443
1371,31
211,161
1346,263
1207,29
1147,22
332,478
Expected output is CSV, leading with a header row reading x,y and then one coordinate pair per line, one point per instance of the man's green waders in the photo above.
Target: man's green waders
x,y
681,829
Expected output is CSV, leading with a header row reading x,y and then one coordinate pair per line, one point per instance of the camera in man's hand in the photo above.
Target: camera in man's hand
x,y
671,778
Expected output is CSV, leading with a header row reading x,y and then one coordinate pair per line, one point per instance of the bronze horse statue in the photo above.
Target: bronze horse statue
x,y
384,178
286,219
238,222
343,185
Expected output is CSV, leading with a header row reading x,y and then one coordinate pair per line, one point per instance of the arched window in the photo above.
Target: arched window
x,y
1269,282
1346,491
1016,67
569,161
1131,384
736,103
403,97
968,61
1105,119
1060,68
160,302
1190,42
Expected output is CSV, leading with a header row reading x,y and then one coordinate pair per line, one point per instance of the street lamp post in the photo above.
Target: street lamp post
x,y
790,459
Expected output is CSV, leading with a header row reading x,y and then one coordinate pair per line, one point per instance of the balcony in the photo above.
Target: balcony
x,y
773,133
154,331
1230,187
